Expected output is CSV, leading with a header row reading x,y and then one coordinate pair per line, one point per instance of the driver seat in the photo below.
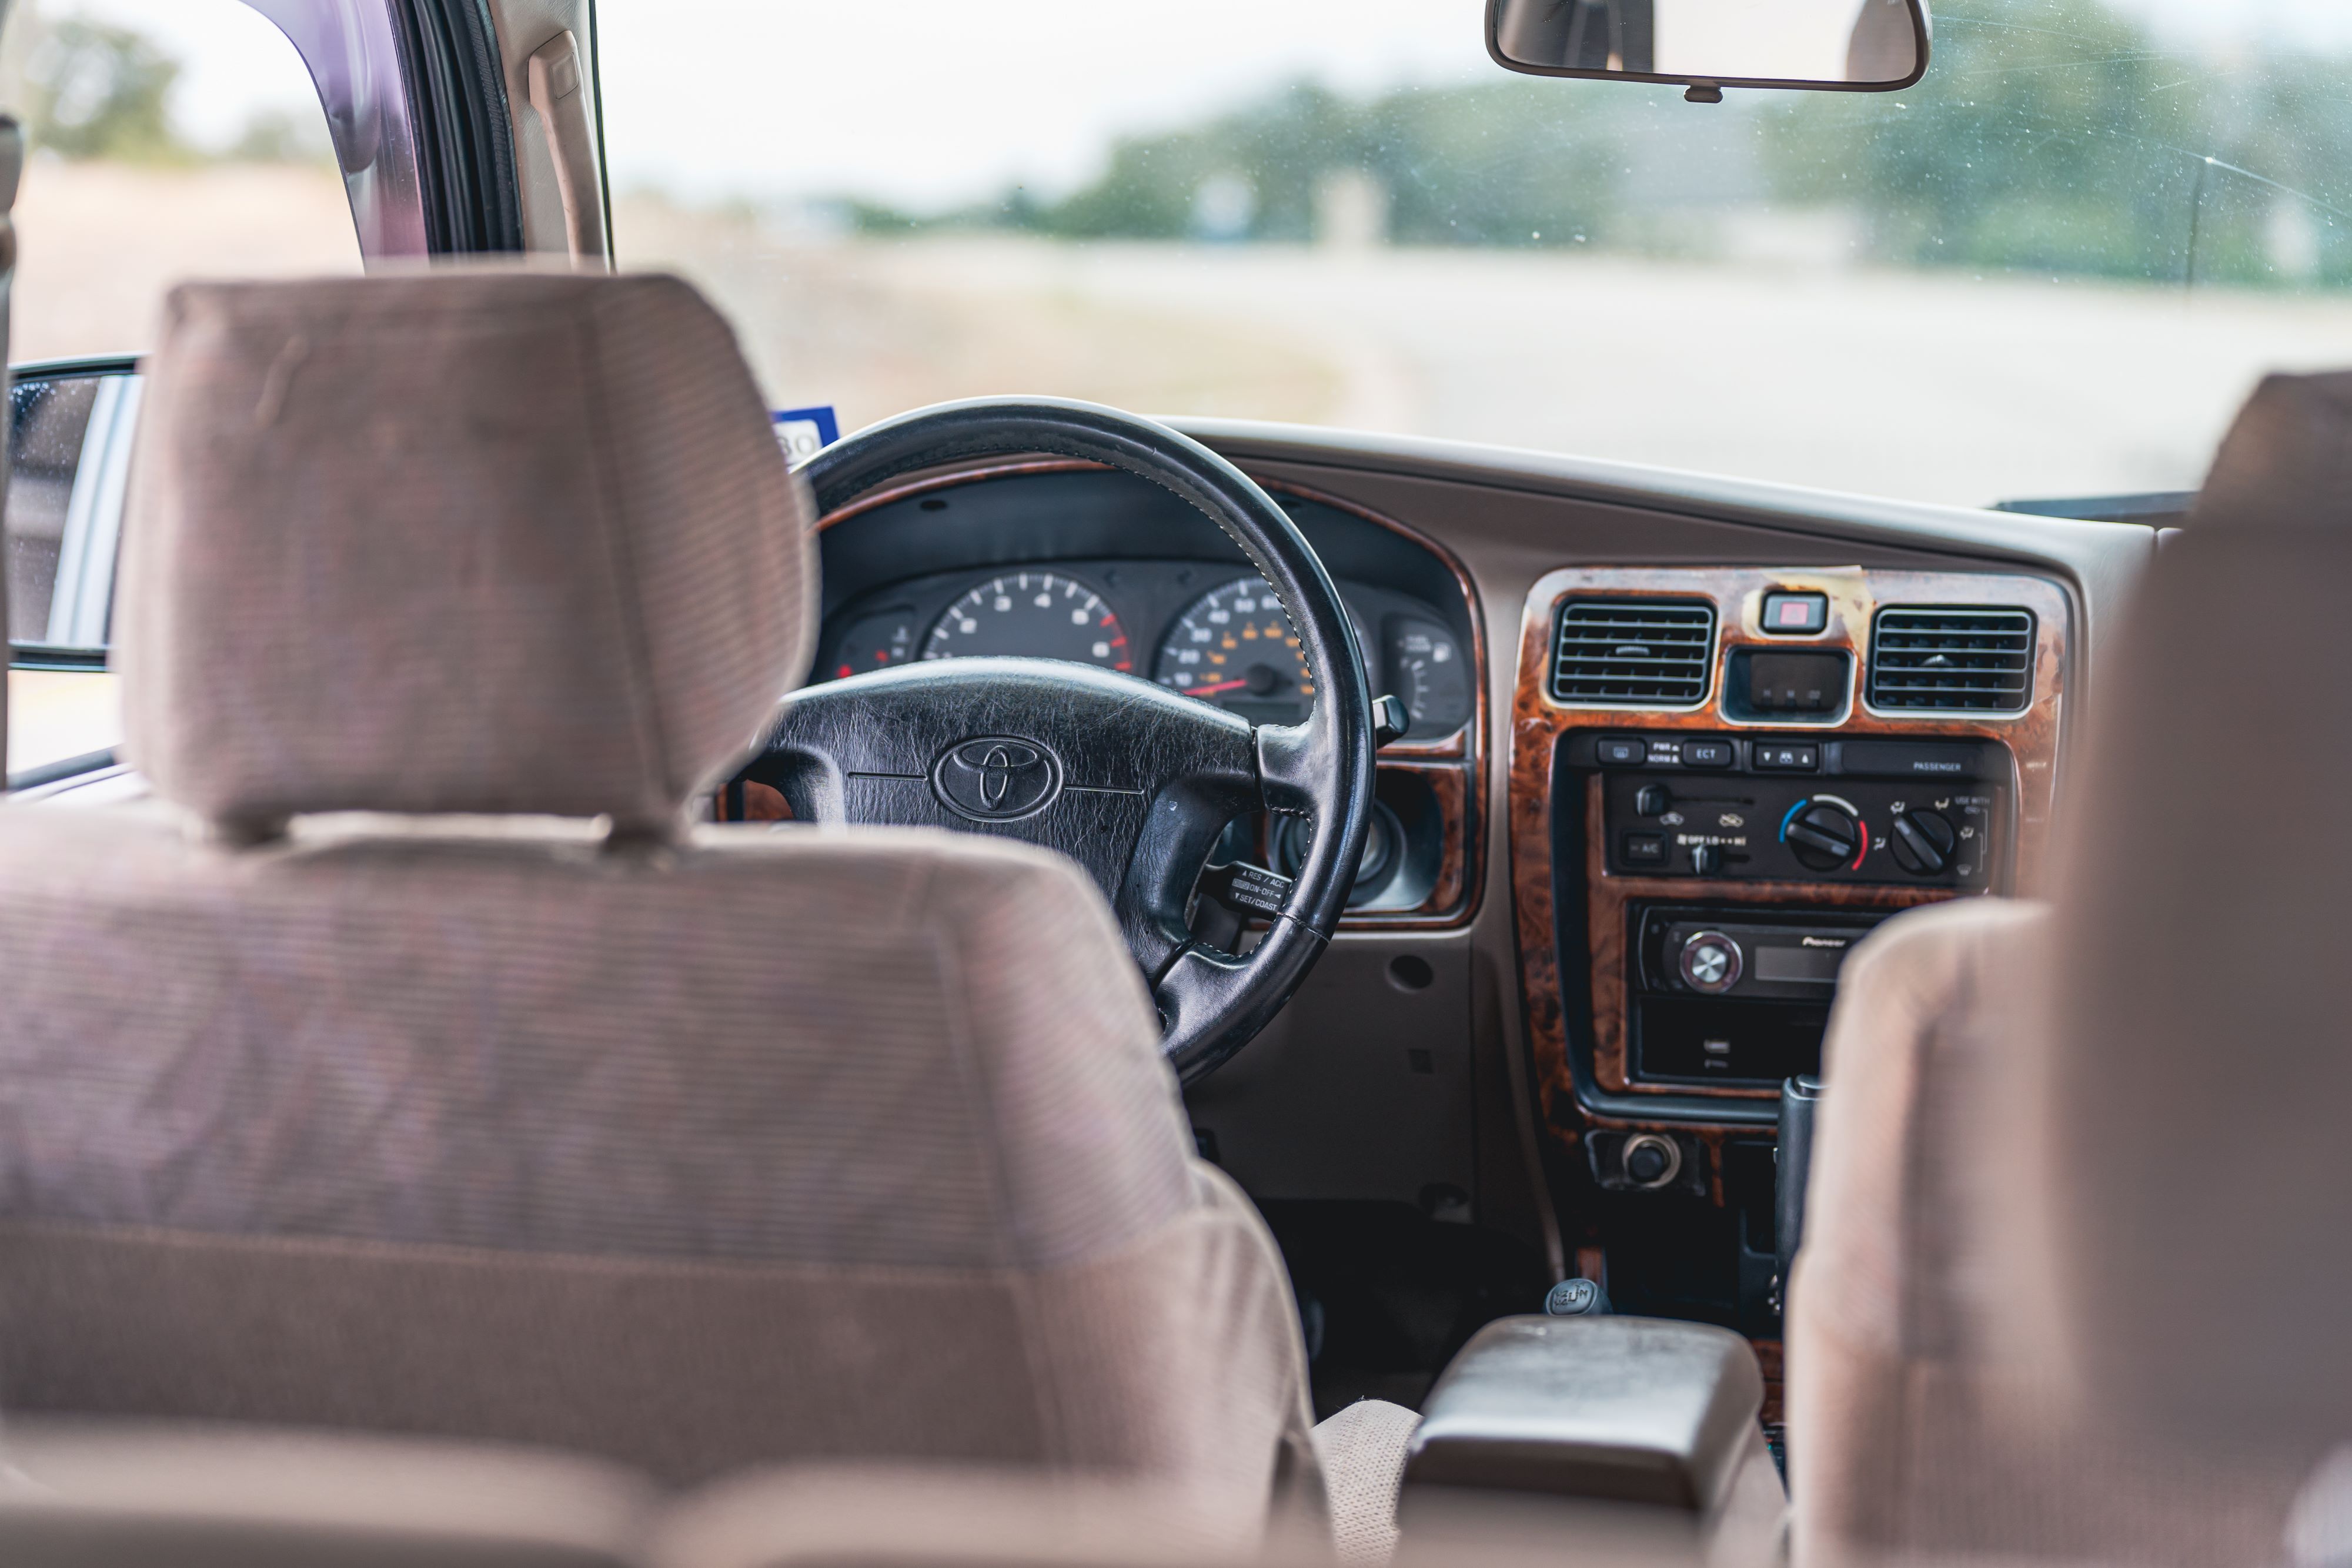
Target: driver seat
x,y
409,1064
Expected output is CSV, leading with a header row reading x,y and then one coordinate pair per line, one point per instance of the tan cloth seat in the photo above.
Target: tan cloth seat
x,y
365,1082
103,1495
1362,1449
833,1516
1915,1430
2191,1117
2074,1271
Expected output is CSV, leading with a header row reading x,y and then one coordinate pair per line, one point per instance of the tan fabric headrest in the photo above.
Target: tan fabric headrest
x,y
2287,460
2189,1119
481,542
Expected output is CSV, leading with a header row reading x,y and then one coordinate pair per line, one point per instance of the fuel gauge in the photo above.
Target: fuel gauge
x,y
875,641
1426,670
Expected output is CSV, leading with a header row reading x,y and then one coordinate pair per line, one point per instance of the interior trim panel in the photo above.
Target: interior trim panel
x,y
1580,905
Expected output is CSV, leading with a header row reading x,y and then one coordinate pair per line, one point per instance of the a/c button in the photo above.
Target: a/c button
x,y
1645,849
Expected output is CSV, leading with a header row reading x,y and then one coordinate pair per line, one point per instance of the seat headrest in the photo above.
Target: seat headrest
x,y
489,542
2188,1113
2287,460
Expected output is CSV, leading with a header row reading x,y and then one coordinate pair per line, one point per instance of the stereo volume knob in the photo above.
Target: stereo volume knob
x,y
1922,843
1710,962
1825,836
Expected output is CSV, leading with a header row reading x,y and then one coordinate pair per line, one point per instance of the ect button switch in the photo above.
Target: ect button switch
x,y
1707,754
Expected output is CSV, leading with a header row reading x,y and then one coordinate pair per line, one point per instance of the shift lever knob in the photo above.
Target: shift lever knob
x,y
1576,1299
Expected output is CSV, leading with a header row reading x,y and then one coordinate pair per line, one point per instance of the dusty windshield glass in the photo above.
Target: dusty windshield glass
x,y
2051,269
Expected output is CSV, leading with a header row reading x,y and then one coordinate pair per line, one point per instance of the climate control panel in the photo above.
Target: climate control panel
x,y
1764,809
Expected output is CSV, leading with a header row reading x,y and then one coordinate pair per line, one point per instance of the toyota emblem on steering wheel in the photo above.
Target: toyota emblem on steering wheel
x,y
997,778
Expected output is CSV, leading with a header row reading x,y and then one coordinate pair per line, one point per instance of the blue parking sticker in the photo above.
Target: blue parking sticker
x,y
803,432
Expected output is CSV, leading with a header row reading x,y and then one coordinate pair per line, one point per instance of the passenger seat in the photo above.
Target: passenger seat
x,y
2116,1121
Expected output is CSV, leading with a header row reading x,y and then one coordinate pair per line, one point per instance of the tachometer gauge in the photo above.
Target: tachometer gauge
x,y
1233,646
1033,615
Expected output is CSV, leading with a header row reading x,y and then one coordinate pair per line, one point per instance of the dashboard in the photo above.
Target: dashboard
x,y
1700,741
1056,559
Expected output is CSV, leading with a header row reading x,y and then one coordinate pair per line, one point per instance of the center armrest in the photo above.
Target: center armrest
x,y
1641,1410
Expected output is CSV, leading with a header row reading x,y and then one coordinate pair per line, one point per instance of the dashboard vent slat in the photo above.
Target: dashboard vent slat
x,y
1634,652
1929,658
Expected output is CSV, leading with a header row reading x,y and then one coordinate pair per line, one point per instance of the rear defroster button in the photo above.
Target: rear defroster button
x,y
1710,962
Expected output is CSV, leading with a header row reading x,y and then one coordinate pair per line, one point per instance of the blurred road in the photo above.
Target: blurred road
x,y
1931,387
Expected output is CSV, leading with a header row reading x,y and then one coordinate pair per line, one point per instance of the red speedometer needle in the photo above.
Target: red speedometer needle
x,y
1214,687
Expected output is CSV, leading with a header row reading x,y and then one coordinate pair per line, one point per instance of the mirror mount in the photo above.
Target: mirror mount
x,y
1707,46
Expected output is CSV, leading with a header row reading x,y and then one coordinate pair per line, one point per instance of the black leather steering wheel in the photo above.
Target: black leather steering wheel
x,y
1131,780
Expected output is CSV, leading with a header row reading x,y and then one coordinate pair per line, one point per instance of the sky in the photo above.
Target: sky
x,y
933,102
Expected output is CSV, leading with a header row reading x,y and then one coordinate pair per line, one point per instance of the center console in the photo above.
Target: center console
x,y
1722,780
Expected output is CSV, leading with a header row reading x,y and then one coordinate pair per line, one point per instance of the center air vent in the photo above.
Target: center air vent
x,y
1953,660
1640,652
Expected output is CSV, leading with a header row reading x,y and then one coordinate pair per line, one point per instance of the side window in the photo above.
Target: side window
x,y
167,138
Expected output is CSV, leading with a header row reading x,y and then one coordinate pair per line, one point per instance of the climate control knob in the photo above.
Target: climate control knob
x,y
1824,834
1922,843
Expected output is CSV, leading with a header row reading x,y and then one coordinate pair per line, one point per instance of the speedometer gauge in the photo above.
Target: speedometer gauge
x,y
1031,615
1233,646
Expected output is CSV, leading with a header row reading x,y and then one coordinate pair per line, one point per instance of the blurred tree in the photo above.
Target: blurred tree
x,y
278,136
1272,152
2050,137
1506,163
2053,136
96,90
1514,162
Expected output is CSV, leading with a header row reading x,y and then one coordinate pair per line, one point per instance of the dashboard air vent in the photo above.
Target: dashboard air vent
x,y
1638,652
1954,661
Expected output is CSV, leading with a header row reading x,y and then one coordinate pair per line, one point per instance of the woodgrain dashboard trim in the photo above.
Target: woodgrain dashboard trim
x,y
1540,723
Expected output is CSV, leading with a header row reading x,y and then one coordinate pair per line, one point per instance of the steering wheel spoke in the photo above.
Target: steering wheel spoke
x,y
1186,820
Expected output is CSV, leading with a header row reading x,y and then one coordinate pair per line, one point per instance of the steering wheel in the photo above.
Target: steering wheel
x,y
1132,781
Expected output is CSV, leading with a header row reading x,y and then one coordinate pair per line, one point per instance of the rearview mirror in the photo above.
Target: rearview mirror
x,y
1836,46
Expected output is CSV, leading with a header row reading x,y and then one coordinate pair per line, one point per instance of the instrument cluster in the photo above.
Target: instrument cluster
x,y
1211,631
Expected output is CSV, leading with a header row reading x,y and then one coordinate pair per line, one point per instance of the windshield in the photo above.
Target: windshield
x,y
2052,268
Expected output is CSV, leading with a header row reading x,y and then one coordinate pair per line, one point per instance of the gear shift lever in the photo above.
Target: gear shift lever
x,y
1793,1164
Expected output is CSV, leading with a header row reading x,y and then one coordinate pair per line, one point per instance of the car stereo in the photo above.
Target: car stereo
x,y
1737,997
